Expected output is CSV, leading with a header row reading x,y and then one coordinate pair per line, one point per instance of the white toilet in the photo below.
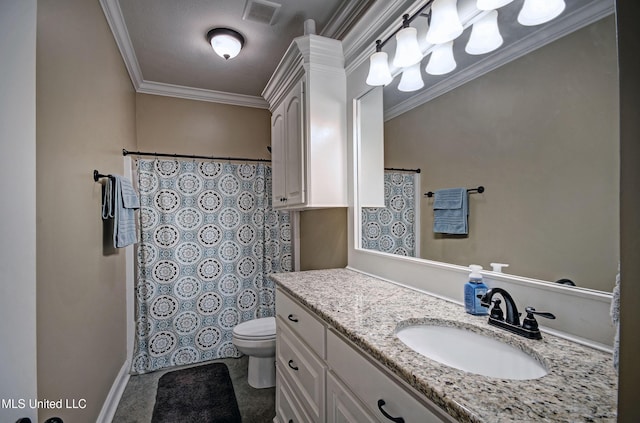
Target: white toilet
x,y
257,339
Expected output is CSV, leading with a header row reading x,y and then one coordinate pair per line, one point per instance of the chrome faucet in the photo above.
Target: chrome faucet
x,y
529,328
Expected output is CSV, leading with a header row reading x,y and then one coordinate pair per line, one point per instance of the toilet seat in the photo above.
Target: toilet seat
x,y
256,330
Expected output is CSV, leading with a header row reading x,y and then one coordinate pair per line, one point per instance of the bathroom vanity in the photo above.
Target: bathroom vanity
x,y
338,359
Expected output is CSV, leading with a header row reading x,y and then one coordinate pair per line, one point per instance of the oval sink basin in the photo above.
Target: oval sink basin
x,y
471,352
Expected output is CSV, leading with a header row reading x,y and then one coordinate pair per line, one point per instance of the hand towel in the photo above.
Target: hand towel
x,y
450,211
119,203
107,200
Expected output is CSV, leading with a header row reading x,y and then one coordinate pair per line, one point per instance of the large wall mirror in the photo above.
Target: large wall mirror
x,y
540,134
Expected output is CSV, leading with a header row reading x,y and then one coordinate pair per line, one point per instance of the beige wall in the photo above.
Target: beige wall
x,y
173,125
85,116
540,133
323,239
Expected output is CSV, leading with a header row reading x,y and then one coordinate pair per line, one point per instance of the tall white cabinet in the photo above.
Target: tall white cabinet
x,y
307,99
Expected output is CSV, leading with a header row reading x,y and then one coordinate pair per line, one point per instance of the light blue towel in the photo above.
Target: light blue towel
x,y
119,203
450,211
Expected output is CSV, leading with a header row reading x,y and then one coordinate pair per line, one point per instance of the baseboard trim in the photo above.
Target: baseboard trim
x,y
115,393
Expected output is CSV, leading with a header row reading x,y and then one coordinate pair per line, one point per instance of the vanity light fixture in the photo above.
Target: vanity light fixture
x,y
492,4
411,79
379,73
444,27
408,51
536,12
445,23
441,61
226,42
485,35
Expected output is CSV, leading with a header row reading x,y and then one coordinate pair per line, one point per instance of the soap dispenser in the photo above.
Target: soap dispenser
x,y
473,290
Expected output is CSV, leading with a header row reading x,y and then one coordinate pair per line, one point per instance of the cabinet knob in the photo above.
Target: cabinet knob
x,y
381,403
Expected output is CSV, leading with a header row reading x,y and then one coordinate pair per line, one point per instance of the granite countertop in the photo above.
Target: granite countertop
x,y
581,384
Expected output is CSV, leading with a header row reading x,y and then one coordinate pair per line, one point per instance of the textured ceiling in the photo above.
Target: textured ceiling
x,y
168,38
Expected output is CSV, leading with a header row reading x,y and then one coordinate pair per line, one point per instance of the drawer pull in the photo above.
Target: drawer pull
x,y
293,319
292,366
387,415
290,420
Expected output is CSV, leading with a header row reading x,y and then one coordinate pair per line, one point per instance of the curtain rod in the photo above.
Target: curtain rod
x,y
402,170
191,156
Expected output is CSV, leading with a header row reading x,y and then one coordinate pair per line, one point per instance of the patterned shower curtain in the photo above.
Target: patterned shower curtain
x,y
209,237
392,228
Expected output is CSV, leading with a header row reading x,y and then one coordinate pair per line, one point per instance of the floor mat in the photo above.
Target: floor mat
x,y
202,394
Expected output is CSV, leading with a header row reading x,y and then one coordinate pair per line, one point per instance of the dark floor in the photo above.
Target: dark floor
x,y
256,405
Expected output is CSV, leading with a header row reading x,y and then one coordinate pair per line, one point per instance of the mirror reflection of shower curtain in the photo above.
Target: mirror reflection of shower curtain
x,y
395,228
209,237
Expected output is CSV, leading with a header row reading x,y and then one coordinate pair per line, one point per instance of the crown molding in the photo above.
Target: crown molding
x,y
189,93
578,19
305,53
348,13
113,15
358,44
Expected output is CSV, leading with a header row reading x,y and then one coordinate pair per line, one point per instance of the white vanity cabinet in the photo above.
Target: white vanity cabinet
x,y
322,377
307,99
300,362
385,397
287,131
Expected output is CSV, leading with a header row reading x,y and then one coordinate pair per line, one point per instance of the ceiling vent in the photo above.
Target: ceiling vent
x,y
261,11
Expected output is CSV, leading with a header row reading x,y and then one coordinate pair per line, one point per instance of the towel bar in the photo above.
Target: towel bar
x,y
480,190
97,175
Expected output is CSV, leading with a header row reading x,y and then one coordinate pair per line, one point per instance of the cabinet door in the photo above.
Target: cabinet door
x,y
295,140
342,406
278,156
288,409
304,370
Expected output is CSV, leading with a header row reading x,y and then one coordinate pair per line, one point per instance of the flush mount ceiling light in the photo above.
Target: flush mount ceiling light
x,y
444,27
226,42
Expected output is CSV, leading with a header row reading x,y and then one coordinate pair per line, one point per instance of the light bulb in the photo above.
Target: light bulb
x,y
411,79
379,73
441,60
536,12
485,35
445,23
407,49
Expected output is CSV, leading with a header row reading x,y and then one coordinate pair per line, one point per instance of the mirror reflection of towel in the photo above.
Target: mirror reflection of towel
x,y
450,211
